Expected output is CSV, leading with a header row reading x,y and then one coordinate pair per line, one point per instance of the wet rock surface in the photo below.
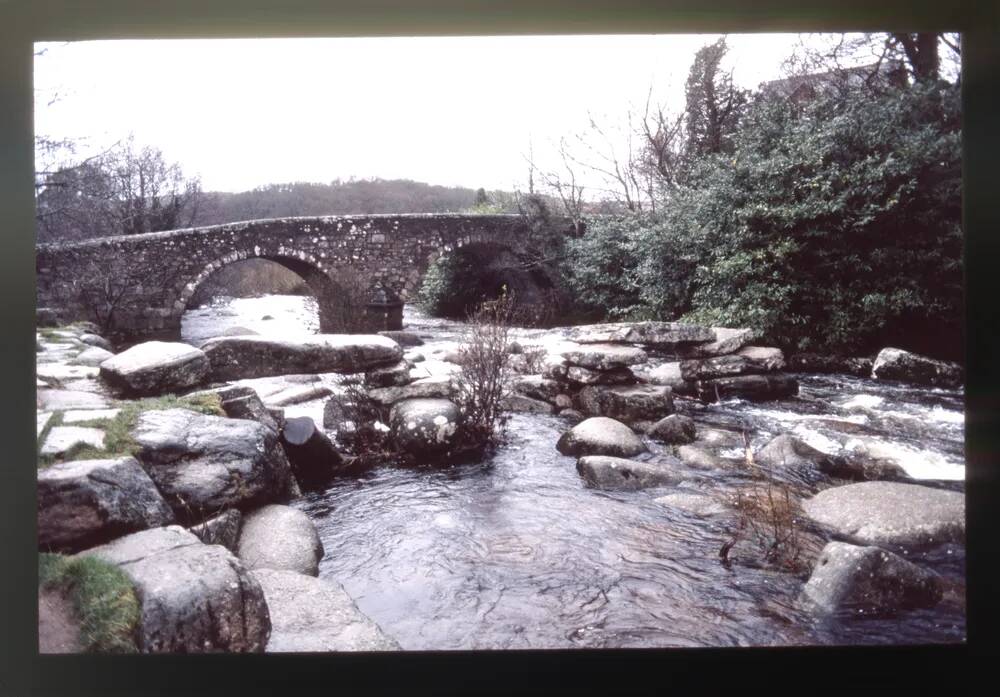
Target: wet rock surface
x,y
600,435
619,473
193,597
424,427
282,538
88,502
896,364
627,404
155,368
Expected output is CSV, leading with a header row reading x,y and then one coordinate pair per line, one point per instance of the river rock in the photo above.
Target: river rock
x,y
818,363
674,429
757,360
891,514
726,341
604,356
89,502
600,435
280,537
223,529
205,463
390,376
628,404
538,387
750,387
237,357
425,388
668,373
789,456
586,376
193,597
96,340
522,404
155,368
896,364
619,473
92,357
403,338
316,615
572,415
657,334
414,357
699,458
763,358
701,505
240,402
424,427
869,580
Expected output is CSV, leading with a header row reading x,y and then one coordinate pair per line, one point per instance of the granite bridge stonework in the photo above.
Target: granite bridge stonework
x,y
149,279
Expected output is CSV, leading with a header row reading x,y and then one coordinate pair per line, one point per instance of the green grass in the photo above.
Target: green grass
x,y
118,439
103,597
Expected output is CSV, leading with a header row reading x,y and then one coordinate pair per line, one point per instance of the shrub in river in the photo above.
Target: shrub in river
x,y
482,384
102,596
368,437
768,517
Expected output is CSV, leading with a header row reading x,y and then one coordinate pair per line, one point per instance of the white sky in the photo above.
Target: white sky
x,y
452,111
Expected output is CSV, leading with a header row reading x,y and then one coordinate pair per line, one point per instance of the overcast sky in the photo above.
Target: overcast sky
x,y
453,111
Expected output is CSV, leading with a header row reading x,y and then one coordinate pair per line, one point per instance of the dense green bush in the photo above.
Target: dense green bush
x,y
451,286
832,226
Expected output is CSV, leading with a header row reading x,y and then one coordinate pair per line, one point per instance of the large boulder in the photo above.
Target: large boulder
x,y
600,435
726,341
316,615
891,514
896,364
628,404
819,363
869,580
538,387
236,357
750,387
586,376
619,473
89,502
656,334
193,597
675,429
280,537
155,367
424,427
204,463
604,356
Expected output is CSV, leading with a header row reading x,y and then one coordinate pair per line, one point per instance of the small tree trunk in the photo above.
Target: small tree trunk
x,y
312,456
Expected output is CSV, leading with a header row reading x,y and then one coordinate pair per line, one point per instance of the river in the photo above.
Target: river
x,y
516,552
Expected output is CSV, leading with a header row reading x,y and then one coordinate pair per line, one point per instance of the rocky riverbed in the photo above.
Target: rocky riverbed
x,y
611,539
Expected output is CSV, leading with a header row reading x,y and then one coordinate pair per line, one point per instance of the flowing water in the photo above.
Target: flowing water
x,y
517,552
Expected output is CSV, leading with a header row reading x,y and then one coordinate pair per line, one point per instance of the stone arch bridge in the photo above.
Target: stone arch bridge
x,y
146,281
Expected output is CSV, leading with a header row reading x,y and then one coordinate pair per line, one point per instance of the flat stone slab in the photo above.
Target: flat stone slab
x,y
297,395
80,415
521,403
61,400
604,356
41,421
64,371
658,334
310,615
627,404
62,438
88,502
890,513
236,357
156,367
425,388
193,597
726,341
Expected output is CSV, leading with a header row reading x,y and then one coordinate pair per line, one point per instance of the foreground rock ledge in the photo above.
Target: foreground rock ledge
x,y
890,513
193,597
88,502
155,367
237,357
316,615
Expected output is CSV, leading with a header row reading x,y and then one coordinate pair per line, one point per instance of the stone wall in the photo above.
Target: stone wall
x,y
150,278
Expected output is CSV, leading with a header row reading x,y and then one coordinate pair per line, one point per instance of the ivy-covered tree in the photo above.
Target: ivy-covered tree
x,y
714,104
